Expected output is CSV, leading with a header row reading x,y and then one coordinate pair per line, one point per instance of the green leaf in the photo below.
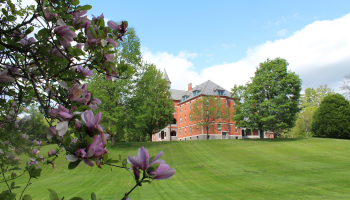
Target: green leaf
x,y
27,197
76,198
2,48
67,16
105,157
29,30
36,173
154,167
45,2
112,161
12,185
12,6
89,140
53,195
11,18
73,165
86,7
93,196
75,2
67,141
126,24
44,33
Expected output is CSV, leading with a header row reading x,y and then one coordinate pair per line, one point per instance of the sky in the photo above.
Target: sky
x,y
224,41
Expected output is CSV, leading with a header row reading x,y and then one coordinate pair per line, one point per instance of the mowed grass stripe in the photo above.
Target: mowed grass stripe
x,y
215,169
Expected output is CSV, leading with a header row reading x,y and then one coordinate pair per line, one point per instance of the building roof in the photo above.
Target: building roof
x,y
206,88
166,76
177,94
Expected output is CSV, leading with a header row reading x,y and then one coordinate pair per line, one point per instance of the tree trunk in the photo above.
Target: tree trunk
x,y
261,134
150,137
207,133
114,140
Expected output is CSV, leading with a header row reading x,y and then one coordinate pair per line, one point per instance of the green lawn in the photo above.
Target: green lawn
x,y
215,169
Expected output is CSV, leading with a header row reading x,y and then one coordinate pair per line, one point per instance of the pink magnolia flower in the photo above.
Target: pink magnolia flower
x,y
92,121
78,93
26,42
35,151
77,16
84,71
56,52
25,136
97,18
94,102
10,155
62,127
112,42
52,153
94,151
65,35
4,78
33,162
141,161
115,26
49,15
51,132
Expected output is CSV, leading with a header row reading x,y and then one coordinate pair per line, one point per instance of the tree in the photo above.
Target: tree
x,y
270,100
309,102
152,107
116,93
346,86
208,110
332,118
37,125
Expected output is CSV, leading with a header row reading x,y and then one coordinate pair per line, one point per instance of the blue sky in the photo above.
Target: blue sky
x,y
225,40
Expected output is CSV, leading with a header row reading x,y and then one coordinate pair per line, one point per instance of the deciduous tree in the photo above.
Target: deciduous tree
x,y
270,100
208,110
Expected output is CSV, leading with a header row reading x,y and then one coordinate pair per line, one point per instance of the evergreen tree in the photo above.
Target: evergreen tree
x,y
332,118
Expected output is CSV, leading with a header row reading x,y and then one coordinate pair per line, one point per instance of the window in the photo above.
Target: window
x,y
207,102
226,103
180,120
236,129
184,98
180,131
190,129
195,93
220,92
228,127
197,128
219,127
185,118
207,113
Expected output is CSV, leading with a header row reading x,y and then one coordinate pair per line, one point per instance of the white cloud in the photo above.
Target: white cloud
x,y
278,22
178,68
295,15
282,32
319,54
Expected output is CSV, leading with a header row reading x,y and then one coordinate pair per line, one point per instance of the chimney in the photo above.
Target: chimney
x,y
189,86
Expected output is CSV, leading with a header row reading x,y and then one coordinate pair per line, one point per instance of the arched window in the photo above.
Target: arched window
x,y
174,121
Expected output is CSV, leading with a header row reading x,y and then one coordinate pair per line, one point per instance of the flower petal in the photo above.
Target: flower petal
x,y
72,158
166,174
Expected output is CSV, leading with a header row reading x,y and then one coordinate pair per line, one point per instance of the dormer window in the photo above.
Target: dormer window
x,y
220,92
195,93
184,98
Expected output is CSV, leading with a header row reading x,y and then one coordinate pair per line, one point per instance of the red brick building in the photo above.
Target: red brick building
x,y
183,128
